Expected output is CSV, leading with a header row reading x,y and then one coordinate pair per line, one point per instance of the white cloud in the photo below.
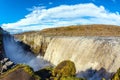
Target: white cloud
x,y
64,15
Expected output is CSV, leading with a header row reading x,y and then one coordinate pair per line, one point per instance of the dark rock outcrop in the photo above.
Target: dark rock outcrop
x,y
6,64
1,45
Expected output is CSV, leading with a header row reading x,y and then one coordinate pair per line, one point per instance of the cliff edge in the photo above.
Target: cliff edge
x,y
95,49
39,40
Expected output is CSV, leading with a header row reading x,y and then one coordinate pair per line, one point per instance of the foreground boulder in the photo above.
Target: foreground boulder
x,y
65,68
65,71
19,72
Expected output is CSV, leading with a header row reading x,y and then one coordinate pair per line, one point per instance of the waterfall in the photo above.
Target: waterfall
x,y
94,57
16,53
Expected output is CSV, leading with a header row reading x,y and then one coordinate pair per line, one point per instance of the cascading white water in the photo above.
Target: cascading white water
x,y
15,52
94,57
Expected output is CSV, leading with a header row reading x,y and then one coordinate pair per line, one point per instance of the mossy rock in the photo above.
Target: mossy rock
x,y
116,76
45,73
20,68
65,68
66,78
103,79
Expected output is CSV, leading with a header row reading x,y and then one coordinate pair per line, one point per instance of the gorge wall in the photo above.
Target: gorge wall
x,y
95,52
94,57
38,43
39,40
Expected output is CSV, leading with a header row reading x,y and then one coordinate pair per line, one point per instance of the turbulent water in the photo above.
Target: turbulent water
x,y
15,51
94,57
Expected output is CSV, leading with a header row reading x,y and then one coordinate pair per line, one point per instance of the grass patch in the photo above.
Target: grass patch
x,y
26,68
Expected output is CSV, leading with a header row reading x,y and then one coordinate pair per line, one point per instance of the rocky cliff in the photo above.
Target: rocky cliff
x,y
38,43
95,49
39,40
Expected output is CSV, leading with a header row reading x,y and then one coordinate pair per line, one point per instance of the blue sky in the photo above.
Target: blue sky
x,y
26,15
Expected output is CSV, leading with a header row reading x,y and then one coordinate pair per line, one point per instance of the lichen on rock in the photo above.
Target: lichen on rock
x,y
65,68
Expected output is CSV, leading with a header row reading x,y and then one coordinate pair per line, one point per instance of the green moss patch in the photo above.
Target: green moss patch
x,y
65,68
26,68
116,76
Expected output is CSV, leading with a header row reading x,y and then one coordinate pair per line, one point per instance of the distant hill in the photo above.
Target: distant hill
x,y
79,30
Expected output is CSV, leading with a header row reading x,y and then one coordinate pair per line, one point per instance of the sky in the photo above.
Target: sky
x,y
18,16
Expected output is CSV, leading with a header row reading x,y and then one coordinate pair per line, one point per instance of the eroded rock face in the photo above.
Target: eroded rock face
x,y
37,43
39,40
94,57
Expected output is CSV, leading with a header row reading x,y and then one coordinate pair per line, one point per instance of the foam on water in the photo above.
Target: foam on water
x,y
19,55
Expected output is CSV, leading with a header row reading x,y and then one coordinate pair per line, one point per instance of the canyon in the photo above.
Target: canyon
x,y
95,49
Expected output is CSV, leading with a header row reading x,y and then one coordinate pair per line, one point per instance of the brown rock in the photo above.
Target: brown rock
x,y
19,73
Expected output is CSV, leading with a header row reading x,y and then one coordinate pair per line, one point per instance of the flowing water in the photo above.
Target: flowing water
x,y
94,57
16,53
